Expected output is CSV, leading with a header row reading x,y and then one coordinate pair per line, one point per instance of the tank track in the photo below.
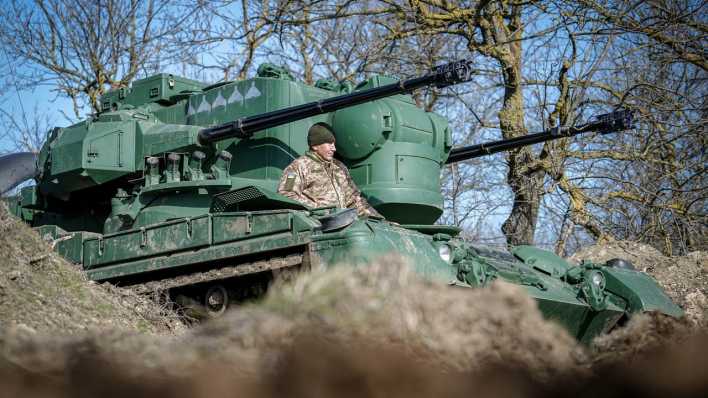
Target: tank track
x,y
163,285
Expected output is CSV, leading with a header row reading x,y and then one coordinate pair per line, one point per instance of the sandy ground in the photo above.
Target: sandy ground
x,y
374,331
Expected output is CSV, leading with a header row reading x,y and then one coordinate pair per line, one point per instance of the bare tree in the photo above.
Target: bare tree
x,y
677,27
229,38
81,48
658,194
649,185
25,132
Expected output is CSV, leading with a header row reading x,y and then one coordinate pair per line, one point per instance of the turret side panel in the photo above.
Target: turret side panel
x,y
91,154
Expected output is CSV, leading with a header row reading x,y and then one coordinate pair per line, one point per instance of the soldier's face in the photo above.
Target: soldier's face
x,y
325,151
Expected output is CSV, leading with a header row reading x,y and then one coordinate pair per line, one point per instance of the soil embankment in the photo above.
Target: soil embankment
x,y
41,292
374,331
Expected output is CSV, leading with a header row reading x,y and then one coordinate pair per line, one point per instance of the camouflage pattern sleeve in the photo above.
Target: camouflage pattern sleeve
x,y
354,198
292,184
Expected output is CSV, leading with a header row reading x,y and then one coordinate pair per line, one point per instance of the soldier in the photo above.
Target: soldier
x,y
316,179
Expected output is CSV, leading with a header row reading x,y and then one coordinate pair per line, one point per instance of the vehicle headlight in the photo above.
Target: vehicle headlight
x,y
598,279
445,253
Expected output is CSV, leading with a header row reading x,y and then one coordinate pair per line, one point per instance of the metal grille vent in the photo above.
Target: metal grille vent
x,y
228,201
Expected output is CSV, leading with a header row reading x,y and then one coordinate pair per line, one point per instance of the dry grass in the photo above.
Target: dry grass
x,y
40,291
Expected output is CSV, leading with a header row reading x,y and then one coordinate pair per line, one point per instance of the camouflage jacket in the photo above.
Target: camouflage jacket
x,y
315,182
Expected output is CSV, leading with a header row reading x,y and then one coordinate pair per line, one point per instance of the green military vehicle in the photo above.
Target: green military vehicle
x,y
172,188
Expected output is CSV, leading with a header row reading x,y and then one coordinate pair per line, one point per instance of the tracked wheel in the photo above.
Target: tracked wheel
x,y
216,300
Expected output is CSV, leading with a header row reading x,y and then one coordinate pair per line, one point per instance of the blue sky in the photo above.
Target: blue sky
x,y
15,101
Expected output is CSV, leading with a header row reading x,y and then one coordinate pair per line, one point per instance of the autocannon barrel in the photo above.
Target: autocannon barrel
x,y
441,76
603,124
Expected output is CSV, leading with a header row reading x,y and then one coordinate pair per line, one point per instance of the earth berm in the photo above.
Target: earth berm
x,y
371,331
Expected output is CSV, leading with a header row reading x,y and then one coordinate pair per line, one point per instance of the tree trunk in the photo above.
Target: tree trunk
x,y
525,182
520,226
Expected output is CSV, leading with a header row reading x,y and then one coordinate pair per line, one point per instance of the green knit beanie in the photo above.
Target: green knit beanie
x,y
320,133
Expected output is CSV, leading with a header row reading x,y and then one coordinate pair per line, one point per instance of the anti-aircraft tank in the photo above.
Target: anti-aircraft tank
x,y
172,188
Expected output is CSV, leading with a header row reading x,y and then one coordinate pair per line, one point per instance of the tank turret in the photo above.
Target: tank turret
x,y
169,140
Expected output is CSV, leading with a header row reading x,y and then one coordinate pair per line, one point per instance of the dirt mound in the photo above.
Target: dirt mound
x,y
456,328
643,333
364,369
373,331
317,366
382,304
685,278
378,325
40,291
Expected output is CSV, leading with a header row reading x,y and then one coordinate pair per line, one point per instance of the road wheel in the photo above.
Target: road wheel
x,y
216,300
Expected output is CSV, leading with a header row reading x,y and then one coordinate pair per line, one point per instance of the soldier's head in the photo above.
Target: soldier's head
x,y
321,140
